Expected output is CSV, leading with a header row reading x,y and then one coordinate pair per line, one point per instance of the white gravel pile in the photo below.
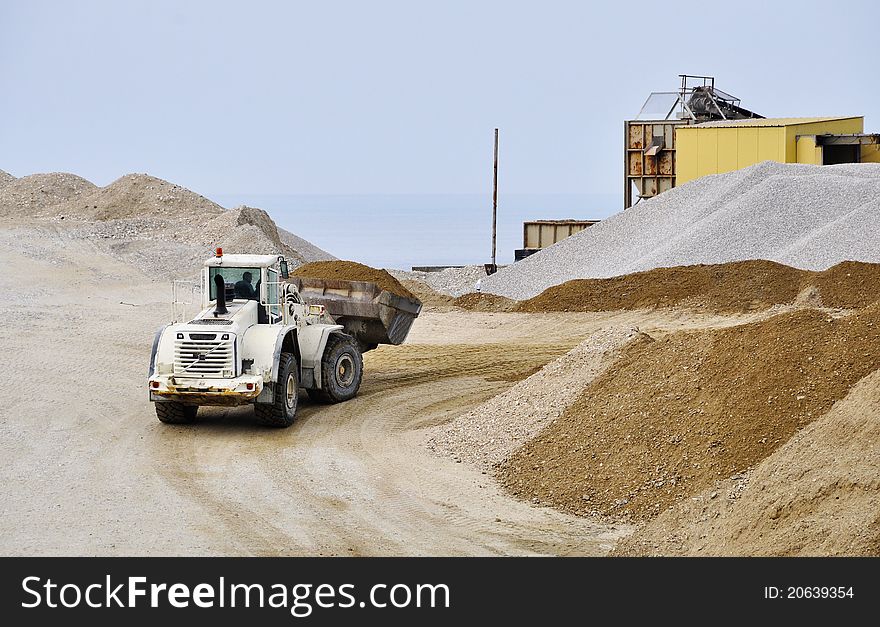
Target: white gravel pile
x,y
809,217
489,433
451,281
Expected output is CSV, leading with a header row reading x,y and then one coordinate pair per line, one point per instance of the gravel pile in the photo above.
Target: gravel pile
x,y
5,177
488,434
36,194
163,228
809,217
137,195
451,281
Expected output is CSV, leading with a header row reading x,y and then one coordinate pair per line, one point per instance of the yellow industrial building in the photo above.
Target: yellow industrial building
x,y
679,136
723,146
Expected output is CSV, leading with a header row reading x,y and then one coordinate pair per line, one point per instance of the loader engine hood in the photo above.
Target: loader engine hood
x,y
239,316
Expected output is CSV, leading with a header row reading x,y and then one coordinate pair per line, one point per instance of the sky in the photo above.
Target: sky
x,y
378,97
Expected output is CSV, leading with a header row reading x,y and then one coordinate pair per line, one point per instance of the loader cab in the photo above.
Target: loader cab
x,y
247,278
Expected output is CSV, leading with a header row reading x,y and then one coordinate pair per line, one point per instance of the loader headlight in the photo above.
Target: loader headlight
x,y
180,336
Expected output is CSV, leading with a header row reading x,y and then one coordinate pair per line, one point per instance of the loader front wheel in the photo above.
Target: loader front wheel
x,y
174,413
282,411
342,368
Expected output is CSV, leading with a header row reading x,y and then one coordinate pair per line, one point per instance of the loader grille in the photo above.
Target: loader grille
x,y
203,357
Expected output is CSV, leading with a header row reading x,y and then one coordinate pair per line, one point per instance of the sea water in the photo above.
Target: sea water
x,y
404,230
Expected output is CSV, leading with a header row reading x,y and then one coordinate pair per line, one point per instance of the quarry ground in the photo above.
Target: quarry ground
x,y
88,469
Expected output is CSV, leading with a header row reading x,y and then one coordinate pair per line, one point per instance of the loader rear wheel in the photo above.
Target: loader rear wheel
x,y
342,368
174,413
282,412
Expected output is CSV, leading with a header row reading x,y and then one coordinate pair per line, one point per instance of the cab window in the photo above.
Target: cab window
x,y
241,283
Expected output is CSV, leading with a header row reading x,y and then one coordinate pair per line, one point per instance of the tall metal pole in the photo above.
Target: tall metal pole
x,y
494,200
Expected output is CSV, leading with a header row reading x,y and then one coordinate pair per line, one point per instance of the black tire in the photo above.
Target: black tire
x,y
342,368
282,412
174,413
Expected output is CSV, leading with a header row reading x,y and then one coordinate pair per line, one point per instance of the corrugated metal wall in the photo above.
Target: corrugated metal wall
x,y
703,150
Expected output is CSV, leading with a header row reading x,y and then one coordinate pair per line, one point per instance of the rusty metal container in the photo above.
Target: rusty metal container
x,y
542,233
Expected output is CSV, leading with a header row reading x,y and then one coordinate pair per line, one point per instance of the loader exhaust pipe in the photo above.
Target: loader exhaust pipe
x,y
220,286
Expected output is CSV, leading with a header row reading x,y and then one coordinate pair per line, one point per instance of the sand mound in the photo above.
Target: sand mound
x,y
139,195
819,494
489,433
732,287
428,296
5,177
848,285
809,217
675,415
353,271
34,195
736,287
484,302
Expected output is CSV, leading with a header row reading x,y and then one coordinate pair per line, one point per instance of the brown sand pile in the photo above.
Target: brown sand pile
x,y
475,301
740,286
675,415
819,494
136,195
428,296
848,285
353,271
490,432
34,195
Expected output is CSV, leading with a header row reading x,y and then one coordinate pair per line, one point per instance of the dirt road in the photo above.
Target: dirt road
x,y
88,470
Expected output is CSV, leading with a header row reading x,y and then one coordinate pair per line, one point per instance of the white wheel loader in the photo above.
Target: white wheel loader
x,y
257,341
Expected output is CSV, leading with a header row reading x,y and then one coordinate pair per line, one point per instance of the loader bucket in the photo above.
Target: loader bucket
x,y
370,314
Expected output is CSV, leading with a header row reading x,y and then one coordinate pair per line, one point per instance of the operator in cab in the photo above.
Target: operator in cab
x,y
244,289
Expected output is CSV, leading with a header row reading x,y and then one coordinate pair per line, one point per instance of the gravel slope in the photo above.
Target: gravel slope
x,y
451,281
486,435
162,228
809,217
34,195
